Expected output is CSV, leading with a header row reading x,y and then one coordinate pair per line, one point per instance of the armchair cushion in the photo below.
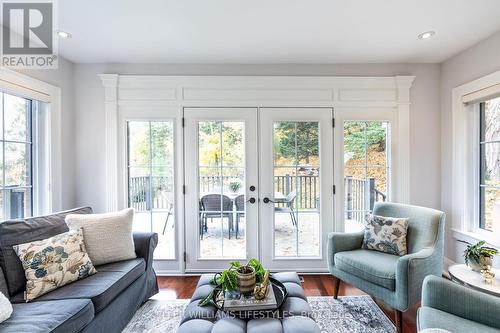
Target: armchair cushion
x,y
433,318
377,267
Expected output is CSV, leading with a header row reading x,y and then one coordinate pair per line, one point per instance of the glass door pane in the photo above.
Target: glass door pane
x,y
296,180
366,169
221,165
296,189
16,152
151,181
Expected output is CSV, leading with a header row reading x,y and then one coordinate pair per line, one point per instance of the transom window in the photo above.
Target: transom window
x,y
16,149
489,144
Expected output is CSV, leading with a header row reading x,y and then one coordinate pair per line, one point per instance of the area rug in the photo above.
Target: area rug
x,y
348,314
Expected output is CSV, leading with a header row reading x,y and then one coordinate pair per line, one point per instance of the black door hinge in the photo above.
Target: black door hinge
x,y
333,122
183,189
334,189
185,256
183,122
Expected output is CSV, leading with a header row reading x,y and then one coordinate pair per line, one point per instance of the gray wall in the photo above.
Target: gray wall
x,y
89,118
63,78
471,64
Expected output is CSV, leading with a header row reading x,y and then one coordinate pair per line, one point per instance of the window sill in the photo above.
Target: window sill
x,y
492,239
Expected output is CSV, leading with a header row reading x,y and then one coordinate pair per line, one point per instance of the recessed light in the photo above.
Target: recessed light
x,y
63,34
426,35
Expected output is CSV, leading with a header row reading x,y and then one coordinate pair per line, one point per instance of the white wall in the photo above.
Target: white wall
x,y
471,64
63,78
425,117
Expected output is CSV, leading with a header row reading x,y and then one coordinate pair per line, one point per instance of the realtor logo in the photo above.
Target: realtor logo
x,y
28,39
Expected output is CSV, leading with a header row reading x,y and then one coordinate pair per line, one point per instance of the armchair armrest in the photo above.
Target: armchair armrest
x,y
447,296
340,241
145,244
411,271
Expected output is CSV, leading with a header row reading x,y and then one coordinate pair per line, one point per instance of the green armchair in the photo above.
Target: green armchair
x,y
397,281
447,305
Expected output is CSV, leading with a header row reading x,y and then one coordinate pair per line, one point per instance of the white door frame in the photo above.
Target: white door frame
x,y
191,118
267,243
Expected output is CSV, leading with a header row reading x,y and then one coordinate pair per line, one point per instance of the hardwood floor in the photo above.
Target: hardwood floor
x,y
182,287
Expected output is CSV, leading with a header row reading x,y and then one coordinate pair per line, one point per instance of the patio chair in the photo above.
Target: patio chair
x,y
239,201
289,200
218,206
170,211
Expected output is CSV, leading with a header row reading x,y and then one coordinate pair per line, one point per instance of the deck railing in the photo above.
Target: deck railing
x,y
361,194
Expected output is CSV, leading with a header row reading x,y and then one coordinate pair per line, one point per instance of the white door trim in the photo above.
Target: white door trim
x,y
139,92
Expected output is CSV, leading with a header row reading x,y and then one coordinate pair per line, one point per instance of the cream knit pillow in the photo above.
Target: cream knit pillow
x,y
107,237
5,308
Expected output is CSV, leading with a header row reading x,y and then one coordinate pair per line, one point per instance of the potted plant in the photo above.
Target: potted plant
x,y
234,186
478,256
228,279
246,279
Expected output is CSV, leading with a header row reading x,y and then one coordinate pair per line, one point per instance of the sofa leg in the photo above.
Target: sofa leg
x,y
399,321
336,287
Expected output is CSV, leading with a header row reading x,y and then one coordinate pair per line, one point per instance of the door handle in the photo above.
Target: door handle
x,y
267,200
251,200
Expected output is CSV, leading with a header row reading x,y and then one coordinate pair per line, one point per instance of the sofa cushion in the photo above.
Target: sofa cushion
x,y
64,316
108,236
376,267
433,318
102,287
54,262
24,231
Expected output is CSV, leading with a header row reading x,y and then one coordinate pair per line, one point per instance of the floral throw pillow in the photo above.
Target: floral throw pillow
x,y
386,234
54,262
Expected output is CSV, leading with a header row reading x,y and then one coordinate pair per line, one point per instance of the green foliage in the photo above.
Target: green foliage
x,y
210,134
259,269
227,279
296,141
360,135
155,139
234,186
478,250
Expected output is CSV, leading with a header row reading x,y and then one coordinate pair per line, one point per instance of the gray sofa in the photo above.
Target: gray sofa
x,y
103,302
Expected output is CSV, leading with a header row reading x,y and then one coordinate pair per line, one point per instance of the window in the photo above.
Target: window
x,y
16,149
151,181
366,169
489,147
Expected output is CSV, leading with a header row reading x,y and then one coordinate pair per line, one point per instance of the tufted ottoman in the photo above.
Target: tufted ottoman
x,y
295,314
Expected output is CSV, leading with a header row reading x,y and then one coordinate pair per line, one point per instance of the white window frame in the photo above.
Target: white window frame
x,y
465,213
47,160
393,161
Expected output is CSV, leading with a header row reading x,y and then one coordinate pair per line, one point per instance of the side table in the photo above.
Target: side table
x,y
463,275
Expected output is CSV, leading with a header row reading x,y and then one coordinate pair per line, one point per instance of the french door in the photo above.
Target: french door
x,y
259,184
296,177
221,177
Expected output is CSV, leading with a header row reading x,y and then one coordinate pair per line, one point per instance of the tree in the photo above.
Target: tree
x,y
296,141
360,136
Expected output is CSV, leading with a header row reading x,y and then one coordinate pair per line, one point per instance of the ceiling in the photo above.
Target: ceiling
x,y
272,31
